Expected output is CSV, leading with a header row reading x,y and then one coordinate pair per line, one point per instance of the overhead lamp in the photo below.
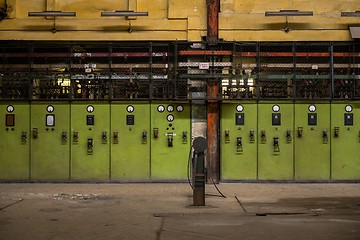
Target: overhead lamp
x,y
289,13
123,14
350,14
52,14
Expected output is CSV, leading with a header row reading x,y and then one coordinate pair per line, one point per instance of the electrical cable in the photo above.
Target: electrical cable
x,y
189,167
188,176
222,195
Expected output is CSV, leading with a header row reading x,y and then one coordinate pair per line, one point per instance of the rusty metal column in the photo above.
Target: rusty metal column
x,y
213,7
213,163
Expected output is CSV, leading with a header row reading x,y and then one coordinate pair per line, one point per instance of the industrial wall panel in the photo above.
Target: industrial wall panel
x,y
312,141
345,141
14,141
130,141
90,148
170,140
238,141
275,141
50,148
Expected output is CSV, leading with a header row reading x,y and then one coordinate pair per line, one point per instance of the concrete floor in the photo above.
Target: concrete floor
x,y
164,211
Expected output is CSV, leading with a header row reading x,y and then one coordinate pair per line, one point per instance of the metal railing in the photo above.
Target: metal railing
x,y
107,71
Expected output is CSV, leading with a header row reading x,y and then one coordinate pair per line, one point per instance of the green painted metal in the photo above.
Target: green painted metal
x,y
90,162
170,163
14,149
50,148
312,142
275,162
238,158
130,141
345,141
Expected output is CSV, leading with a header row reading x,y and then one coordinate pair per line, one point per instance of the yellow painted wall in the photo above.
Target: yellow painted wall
x,y
239,20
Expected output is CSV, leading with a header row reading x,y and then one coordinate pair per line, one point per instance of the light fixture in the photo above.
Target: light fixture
x,y
288,13
123,14
350,14
52,14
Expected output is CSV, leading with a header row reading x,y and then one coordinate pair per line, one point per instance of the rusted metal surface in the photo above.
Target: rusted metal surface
x,y
212,20
213,109
213,106
205,52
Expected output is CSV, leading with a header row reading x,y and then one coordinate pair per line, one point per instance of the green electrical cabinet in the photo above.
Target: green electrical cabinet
x,y
238,141
275,141
170,140
345,141
90,143
50,148
312,141
14,141
130,141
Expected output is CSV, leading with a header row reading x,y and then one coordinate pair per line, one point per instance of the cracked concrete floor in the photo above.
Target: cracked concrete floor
x,y
164,211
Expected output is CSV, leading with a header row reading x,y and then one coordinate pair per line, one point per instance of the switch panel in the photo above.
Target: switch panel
x,y
239,119
50,120
90,120
130,119
312,119
10,120
276,119
348,119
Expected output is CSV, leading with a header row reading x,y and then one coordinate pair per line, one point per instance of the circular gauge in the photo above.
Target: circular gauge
x,y
50,108
348,108
239,108
10,108
161,108
170,108
312,108
170,117
180,108
276,108
130,109
90,108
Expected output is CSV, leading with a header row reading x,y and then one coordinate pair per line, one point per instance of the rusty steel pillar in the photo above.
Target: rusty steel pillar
x,y
213,107
213,7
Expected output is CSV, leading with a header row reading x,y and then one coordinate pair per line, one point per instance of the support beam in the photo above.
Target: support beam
x,y
213,107
213,7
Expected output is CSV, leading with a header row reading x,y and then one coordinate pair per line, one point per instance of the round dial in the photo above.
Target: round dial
x,y
239,108
180,108
276,108
90,108
161,108
50,108
130,109
10,108
348,108
170,108
170,117
312,108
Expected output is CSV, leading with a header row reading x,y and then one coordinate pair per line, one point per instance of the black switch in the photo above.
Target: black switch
x,y
348,119
312,119
90,120
130,119
239,119
276,119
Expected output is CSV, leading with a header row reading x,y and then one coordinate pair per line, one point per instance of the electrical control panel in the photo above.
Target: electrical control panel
x,y
170,140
